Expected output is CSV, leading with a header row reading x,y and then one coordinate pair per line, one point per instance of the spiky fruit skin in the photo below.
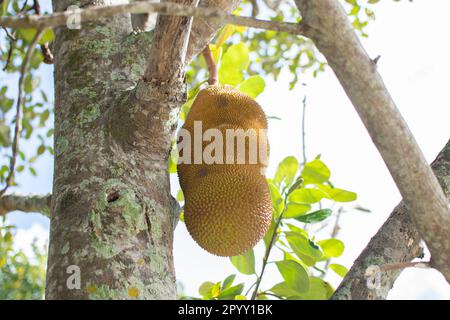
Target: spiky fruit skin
x,y
228,213
227,207
222,108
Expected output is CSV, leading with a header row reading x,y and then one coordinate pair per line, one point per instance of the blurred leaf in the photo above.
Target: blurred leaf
x,y
286,171
332,248
230,293
294,210
318,290
339,269
338,195
315,172
233,63
269,234
228,281
294,275
245,263
226,32
307,195
253,86
180,195
205,288
5,139
48,36
4,7
304,248
33,171
316,216
277,200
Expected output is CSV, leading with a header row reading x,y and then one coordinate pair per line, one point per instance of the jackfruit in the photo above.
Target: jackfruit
x,y
227,206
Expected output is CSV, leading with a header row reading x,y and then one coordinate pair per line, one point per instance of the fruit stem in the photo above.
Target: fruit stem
x,y
212,66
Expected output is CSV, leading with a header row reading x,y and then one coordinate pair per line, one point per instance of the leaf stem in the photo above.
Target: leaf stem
x,y
268,250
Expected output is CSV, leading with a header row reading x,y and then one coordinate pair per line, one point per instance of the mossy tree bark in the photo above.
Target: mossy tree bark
x,y
112,212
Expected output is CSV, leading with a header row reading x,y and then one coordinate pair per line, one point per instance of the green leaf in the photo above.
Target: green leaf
x,y
41,149
338,195
231,292
332,248
282,289
304,248
286,171
295,229
245,263
294,210
316,216
205,288
4,7
48,36
307,195
339,269
228,281
173,159
233,63
215,291
26,34
277,200
33,171
315,172
294,275
253,86
269,234
5,139
296,185
29,34
318,290
31,83
180,195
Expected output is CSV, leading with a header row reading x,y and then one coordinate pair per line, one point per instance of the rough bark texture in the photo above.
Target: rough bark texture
x,y
398,240
112,212
325,22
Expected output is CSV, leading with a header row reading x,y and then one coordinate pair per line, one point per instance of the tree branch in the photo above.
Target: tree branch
x,y
165,8
29,203
326,23
204,29
169,47
397,241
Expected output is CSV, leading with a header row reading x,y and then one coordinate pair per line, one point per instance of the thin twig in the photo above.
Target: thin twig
x,y
212,66
304,130
9,35
268,250
12,44
18,126
165,8
404,265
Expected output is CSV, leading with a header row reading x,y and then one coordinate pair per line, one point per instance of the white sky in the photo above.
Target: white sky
x,y
411,39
